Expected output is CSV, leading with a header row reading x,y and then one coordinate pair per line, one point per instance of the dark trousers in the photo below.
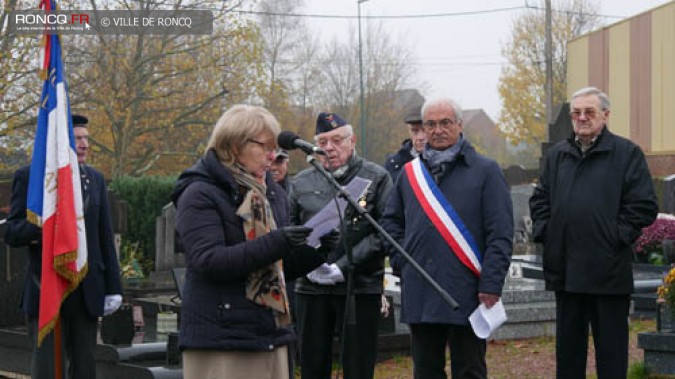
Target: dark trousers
x,y
608,318
78,338
467,352
319,319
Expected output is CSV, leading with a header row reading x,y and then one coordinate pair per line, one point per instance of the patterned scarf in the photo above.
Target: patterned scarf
x,y
440,160
265,286
437,157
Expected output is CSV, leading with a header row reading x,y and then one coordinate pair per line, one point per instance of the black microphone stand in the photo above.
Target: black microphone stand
x,y
362,212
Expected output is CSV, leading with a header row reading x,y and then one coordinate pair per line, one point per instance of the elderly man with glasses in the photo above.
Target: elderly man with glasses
x,y
593,198
321,295
451,211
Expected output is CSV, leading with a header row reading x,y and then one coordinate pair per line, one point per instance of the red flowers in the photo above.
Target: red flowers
x,y
663,228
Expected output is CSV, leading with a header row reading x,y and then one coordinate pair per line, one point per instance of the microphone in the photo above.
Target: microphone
x,y
290,141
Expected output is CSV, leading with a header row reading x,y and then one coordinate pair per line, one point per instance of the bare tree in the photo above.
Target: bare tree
x,y
387,68
282,35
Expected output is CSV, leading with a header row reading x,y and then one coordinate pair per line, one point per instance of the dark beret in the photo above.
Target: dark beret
x,y
326,122
79,120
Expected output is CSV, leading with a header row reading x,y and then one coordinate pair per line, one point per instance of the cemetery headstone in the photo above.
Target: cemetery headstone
x,y
668,195
558,130
522,239
119,209
118,328
516,175
13,263
165,238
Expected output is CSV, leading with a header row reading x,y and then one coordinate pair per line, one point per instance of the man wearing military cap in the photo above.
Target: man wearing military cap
x,y
411,147
279,168
99,294
321,295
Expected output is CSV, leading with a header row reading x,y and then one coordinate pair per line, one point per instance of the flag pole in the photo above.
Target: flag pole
x,y
58,353
54,200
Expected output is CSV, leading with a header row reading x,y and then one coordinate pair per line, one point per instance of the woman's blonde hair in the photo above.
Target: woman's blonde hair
x,y
236,126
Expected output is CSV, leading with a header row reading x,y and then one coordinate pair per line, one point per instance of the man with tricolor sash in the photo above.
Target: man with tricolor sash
x,y
451,211
59,210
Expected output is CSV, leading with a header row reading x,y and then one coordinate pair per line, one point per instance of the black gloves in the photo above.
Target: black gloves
x,y
296,235
329,241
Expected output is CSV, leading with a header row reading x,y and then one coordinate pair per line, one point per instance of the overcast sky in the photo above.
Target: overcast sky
x,y
457,55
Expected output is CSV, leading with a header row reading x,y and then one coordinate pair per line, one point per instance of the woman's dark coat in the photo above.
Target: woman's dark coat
x,y
215,312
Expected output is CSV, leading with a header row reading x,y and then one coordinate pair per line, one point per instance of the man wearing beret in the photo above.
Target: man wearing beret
x,y
321,295
99,294
411,147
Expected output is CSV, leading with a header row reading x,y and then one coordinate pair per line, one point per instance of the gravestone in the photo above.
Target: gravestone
x,y
562,124
659,352
118,328
668,195
516,175
119,210
165,253
13,263
560,129
529,307
522,238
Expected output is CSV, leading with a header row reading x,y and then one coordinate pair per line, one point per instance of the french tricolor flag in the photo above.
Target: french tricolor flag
x,y
54,192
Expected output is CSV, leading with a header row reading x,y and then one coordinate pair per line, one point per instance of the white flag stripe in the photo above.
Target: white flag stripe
x,y
60,155
443,216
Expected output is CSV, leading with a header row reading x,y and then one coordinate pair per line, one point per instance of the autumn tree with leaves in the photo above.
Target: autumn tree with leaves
x,y
152,100
522,80
19,90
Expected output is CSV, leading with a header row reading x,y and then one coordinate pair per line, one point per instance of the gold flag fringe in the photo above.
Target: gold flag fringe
x,y
74,280
33,218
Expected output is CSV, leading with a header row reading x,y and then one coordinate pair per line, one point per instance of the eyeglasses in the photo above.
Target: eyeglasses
x,y
269,148
590,113
336,141
444,124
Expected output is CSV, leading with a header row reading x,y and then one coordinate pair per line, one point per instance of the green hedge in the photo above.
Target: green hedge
x,y
146,196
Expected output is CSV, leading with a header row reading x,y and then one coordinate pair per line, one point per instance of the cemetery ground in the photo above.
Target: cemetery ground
x,y
524,359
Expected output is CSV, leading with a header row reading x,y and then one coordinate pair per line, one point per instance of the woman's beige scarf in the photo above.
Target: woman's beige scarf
x,y
265,286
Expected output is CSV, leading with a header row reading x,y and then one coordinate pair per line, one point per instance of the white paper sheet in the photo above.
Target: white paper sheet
x,y
328,218
485,321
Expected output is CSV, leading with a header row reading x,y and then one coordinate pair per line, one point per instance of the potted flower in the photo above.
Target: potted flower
x,y
655,240
665,316
130,265
659,346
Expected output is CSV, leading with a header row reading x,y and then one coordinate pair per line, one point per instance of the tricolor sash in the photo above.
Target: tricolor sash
x,y
443,216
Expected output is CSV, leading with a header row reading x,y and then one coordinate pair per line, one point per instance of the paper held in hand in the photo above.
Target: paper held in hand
x,y
328,218
485,321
